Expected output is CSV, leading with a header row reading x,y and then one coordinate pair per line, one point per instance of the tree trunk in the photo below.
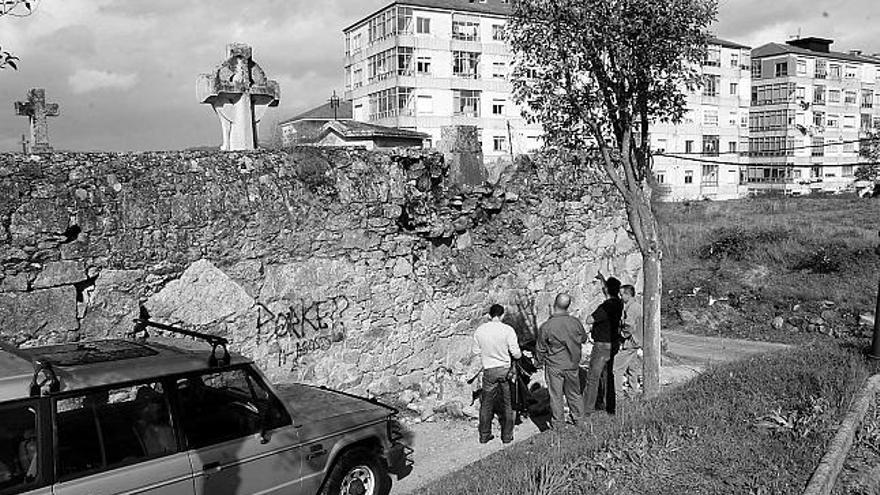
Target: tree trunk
x,y
652,293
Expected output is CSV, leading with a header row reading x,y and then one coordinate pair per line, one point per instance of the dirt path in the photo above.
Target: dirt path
x,y
442,447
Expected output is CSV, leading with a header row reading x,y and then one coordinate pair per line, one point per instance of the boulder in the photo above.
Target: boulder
x,y
58,273
113,302
26,315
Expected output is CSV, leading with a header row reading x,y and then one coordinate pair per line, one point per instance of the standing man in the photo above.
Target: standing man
x,y
606,342
627,362
496,343
558,349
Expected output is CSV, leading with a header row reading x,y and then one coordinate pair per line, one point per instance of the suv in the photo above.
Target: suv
x,y
132,416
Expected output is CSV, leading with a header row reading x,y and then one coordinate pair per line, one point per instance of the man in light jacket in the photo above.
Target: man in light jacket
x,y
496,344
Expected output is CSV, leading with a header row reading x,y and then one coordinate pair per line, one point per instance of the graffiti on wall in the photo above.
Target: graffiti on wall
x,y
303,327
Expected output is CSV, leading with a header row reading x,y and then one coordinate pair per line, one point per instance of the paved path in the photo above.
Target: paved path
x,y
445,446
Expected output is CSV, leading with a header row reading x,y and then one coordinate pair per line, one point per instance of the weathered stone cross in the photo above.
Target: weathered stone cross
x,y
37,110
240,93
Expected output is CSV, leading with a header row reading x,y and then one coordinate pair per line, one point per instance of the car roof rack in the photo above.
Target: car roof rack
x,y
141,324
42,366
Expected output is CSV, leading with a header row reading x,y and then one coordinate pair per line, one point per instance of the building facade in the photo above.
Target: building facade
x,y
426,64
809,108
703,156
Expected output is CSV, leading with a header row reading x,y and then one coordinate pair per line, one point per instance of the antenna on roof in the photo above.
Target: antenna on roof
x,y
796,36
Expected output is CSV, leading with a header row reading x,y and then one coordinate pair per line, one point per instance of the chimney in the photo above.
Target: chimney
x,y
813,44
855,52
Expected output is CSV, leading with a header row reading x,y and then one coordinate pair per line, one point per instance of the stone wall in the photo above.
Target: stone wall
x,y
362,271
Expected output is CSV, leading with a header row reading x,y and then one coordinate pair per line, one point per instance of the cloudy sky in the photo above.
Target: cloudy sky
x,y
124,71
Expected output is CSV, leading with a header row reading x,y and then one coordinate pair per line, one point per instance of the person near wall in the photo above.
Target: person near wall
x,y
558,350
628,362
605,333
496,344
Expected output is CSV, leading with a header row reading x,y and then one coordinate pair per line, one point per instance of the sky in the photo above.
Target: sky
x,y
124,71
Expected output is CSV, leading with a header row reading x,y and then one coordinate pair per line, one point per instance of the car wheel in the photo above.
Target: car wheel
x,y
358,472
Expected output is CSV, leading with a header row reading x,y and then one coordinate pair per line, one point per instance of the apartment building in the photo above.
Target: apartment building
x,y
702,157
426,64
809,107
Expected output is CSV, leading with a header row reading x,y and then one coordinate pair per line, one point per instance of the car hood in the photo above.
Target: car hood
x,y
310,404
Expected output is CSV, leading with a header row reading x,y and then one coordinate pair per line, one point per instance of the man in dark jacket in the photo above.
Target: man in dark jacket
x,y
558,349
606,342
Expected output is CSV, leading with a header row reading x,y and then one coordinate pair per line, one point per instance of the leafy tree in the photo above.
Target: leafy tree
x,y
597,74
14,8
869,150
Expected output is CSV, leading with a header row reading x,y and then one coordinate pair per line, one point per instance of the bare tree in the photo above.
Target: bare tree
x,y
14,8
596,74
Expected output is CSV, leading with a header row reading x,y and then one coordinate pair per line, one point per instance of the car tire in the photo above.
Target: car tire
x,y
358,472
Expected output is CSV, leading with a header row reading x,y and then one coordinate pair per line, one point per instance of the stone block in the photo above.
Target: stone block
x,y
202,295
27,315
58,273
112,303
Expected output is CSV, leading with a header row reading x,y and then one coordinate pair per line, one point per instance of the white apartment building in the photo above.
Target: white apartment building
x,y
709,145
426,64
809,108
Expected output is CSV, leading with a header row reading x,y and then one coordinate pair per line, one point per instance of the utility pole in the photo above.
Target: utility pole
x,y
334,104
875,345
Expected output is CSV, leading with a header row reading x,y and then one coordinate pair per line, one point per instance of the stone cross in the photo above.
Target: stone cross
x,y
240,93
37,110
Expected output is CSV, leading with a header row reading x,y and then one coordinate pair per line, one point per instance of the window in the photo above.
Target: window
x,y
818,146
734,60
499,70
689,146
866,122
404,61
423,65
801,93
849,121
103,429
19,444
867,98
466,29
832,120
710,117
688,176
404,20
498,107
498,32
466,64
423,25
713,56
466,102
834,71
424,105
660,177
820,69
756,69
801,67
710,145
391,102
781,69
710,85
710,175
818,119
850,72
357,78
734,89
819,95
222,406
847,171
499,143
849,97
731,146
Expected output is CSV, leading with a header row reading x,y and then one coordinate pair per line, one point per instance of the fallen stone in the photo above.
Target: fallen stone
x,y
778,322
866,319
202,295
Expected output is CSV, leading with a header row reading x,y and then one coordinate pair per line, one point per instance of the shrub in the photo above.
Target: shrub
x,y
827,258
737,243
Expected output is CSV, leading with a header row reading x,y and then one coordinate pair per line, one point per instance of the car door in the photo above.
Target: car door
x,y
240,436
119,440
24,442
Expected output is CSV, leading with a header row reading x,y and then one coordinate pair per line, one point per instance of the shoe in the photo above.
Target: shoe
x,y
487,439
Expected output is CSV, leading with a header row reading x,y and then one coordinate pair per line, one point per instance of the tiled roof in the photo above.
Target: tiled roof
x,y
324,112
354,129
771,49
727,44
493,7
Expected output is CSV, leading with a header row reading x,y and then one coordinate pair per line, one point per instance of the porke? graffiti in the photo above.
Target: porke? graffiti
x,y
304,327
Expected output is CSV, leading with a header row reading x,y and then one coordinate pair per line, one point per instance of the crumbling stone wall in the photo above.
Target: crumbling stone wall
x,y
358,270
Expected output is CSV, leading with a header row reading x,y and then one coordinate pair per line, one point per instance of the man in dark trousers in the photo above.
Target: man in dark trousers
x,y
606,342
496,344
558,349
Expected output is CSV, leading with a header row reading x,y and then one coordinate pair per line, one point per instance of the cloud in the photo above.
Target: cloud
x,y
87,80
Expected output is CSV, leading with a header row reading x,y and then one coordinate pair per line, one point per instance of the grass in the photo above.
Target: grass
x,y
756,426
794,258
